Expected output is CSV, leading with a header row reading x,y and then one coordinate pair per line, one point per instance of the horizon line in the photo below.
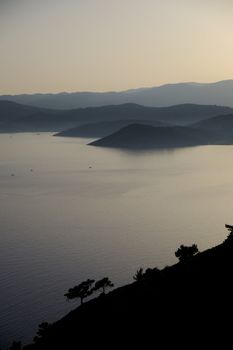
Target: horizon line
x,y
117,91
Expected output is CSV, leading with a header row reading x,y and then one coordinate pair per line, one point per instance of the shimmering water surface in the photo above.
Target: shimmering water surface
x,y
71,212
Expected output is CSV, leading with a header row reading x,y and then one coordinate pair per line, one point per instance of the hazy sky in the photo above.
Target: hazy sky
x,y
99,45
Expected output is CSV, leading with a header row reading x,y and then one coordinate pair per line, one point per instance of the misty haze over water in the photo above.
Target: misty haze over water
x,y
71,212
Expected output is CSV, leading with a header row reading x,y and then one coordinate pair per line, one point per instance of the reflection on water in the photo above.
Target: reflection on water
x,y
73,211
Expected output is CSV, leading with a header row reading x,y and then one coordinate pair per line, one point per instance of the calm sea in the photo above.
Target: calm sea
x,y
70,212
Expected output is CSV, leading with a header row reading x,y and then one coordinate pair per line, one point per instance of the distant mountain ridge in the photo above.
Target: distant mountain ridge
x,y
218,93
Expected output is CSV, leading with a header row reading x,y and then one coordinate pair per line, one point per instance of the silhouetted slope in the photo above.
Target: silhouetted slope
x,y
219,93
138,136
180,301
103,128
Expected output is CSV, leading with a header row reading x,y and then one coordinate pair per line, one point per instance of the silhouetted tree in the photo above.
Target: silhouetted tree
x,y
82,291
103,284
139,275
185,252
16,345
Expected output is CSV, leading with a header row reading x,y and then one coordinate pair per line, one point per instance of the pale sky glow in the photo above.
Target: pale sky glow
x,y
101,45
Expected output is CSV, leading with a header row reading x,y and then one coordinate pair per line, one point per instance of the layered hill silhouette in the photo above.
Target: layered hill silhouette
x,y
182,303
221,126
179,114
15,117
140,136
219,93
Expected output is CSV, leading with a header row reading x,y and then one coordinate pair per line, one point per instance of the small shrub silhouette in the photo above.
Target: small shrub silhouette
x,y
186,252
139,275
151,272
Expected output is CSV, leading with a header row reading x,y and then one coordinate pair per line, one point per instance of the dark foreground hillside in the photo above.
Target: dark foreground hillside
x,y
190,299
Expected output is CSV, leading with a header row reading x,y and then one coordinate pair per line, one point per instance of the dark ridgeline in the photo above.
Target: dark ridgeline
x,y
180,304
19,118
219,93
